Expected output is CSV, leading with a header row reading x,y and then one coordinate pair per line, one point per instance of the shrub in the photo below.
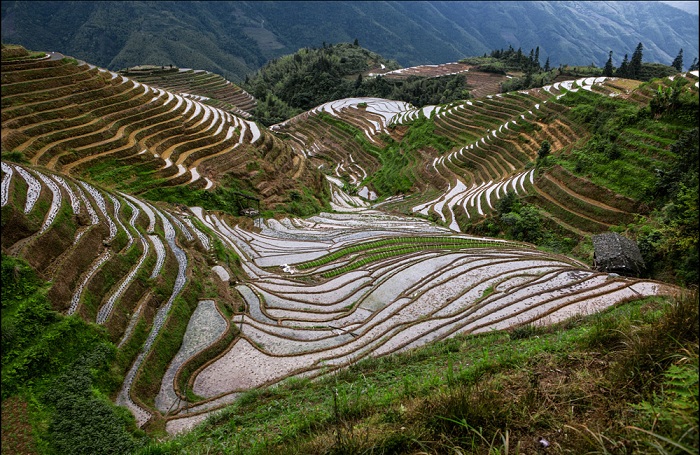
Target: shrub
x,y
85,422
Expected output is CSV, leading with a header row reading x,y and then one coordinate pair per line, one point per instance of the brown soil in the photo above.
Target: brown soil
x,y
17,438
482,84
429,71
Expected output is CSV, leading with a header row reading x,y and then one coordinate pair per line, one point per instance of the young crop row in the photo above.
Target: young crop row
x,y
385,253
465,242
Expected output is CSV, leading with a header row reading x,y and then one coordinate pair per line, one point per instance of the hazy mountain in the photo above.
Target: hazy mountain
x,y
688,7
236,38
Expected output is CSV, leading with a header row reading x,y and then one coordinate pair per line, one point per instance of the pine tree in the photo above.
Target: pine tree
x,y
546,65
694,65
635,68
537,57
356,43
608,70
623,70
358,81
678,61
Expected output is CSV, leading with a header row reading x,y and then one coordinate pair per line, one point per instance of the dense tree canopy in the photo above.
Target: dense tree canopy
x,y
295,83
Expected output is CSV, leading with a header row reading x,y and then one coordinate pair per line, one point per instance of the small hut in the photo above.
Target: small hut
x,y
614,253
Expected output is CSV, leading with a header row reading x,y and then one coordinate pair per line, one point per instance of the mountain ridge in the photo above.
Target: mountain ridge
x,y
236,40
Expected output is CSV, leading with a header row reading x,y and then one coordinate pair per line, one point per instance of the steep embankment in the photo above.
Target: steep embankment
x,y
75,118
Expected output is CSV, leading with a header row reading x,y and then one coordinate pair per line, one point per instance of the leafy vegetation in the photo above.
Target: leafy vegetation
x,y
669,239
230,198
666,181
396,243
62,367
398,158
85,421
637,69
504,61
299,82
517,219
304,203
296,83
368,252
418,91
508,60
520,221
532,74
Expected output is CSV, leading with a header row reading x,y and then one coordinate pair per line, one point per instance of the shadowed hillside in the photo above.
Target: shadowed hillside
x,y
236,39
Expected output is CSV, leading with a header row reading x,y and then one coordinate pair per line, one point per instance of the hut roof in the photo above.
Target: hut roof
x,y
616,253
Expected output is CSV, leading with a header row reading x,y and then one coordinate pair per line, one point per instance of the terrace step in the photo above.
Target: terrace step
x,y
209,87
548,203
315,294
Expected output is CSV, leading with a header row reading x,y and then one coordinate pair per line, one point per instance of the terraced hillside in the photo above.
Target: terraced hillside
x,y
501,135
75,118
208,87
341,286
423,71
479,83
493,143
203,305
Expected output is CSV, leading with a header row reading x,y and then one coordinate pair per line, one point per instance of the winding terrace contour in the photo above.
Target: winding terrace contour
x,y
316,294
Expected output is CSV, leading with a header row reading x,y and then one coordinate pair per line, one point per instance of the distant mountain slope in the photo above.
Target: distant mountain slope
x,y
689,7
235,39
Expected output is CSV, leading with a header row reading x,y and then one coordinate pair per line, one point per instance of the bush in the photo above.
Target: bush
x,y
85,422
63,362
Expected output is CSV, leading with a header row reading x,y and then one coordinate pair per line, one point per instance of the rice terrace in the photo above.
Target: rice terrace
x,y
490,255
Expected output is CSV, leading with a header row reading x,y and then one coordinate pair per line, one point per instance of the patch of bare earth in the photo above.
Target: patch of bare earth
x,y
16,433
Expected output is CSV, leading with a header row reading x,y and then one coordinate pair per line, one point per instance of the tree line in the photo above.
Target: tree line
x,y
535,75
634,68
299,82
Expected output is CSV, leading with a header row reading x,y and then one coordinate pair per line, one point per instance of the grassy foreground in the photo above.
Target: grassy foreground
x,y
623,381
